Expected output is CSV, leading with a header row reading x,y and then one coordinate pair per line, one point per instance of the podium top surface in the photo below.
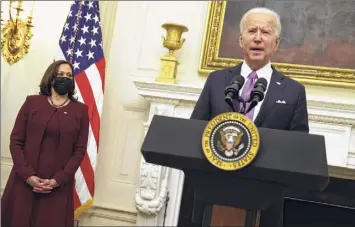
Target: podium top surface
x,y
289,158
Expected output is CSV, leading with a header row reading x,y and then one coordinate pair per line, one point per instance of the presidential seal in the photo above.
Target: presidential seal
x,y
230,141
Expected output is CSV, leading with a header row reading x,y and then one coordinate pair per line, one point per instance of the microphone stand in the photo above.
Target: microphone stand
x,y
230,103
251,106
244,106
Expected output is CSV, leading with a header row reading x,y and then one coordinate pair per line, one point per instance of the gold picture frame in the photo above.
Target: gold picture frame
x,y
306,74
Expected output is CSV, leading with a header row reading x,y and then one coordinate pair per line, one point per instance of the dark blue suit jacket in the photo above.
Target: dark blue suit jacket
x,y
290,116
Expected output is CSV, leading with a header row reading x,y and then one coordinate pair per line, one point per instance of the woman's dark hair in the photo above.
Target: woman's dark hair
x,y
48,77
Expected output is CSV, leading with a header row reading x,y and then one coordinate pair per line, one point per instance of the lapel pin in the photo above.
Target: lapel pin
x,y
278,83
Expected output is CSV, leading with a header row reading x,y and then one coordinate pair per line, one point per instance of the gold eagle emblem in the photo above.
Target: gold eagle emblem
x,y
230,142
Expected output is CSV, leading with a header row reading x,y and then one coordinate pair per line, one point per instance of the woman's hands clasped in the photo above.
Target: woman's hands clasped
x,y
42,185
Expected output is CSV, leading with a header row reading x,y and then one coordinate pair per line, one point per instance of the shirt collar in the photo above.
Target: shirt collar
x,y
265,71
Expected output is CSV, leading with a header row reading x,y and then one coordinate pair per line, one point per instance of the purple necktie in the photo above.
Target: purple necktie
x,y
248,87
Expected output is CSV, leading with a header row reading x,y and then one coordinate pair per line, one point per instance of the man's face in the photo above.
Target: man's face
x,y
259,39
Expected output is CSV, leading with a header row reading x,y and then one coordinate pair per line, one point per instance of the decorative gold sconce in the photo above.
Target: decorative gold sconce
x,y
172,42
15,35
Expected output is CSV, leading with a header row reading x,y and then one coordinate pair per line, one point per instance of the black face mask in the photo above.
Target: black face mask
x,y
62,85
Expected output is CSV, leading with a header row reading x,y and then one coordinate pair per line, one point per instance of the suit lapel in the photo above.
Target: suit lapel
x,y
232,72
274,92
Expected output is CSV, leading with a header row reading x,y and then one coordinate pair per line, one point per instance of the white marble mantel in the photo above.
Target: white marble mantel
x,y
160,188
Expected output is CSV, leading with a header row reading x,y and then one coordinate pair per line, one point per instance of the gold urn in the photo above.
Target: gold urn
x,y
172,42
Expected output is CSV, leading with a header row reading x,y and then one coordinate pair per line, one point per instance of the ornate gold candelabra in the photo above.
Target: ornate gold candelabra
x,y
172,42
15,35
2,21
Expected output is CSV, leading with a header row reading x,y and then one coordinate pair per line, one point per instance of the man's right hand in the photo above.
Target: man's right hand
x,y
37,185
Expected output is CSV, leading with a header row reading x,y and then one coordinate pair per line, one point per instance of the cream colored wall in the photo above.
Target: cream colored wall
x,y
134,46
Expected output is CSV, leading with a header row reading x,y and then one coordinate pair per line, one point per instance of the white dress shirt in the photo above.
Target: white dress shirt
x,y
265,72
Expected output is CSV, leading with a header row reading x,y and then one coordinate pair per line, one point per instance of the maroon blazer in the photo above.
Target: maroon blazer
x,y
25,146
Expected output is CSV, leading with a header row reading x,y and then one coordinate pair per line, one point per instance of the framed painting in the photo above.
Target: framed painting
x,y
317,41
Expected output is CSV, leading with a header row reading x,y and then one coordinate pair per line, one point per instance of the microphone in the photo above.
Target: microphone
x,y
232,90
257,94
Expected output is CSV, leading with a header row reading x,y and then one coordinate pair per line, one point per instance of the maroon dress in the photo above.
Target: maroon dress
x,y
45,163
50,143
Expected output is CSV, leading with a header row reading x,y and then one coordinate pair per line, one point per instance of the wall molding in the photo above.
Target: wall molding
x,y
193,90
331,105
331,120
6,161
173,91
112,213
100,214
188,95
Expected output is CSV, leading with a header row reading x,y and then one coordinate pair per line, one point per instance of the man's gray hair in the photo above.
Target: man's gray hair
x,y
261,10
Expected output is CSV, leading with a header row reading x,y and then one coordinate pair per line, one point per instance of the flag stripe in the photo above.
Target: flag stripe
x,y
101,67
90,156
89,174
94,79
76,199
81,187
88,97
92,149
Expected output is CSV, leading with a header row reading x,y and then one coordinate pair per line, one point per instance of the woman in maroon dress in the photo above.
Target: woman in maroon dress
x,y
47,144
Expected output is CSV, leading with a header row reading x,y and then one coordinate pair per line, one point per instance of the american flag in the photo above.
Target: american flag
x,y
81,44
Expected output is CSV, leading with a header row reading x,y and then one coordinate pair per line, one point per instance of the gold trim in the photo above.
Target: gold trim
x,y
83,208
306,74
214,126
16,34
15,39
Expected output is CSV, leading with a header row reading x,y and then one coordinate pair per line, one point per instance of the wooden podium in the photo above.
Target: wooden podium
x,y
230,216
286,160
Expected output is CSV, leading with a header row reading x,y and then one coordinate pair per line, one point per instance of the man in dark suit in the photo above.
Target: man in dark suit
x,y
284,106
